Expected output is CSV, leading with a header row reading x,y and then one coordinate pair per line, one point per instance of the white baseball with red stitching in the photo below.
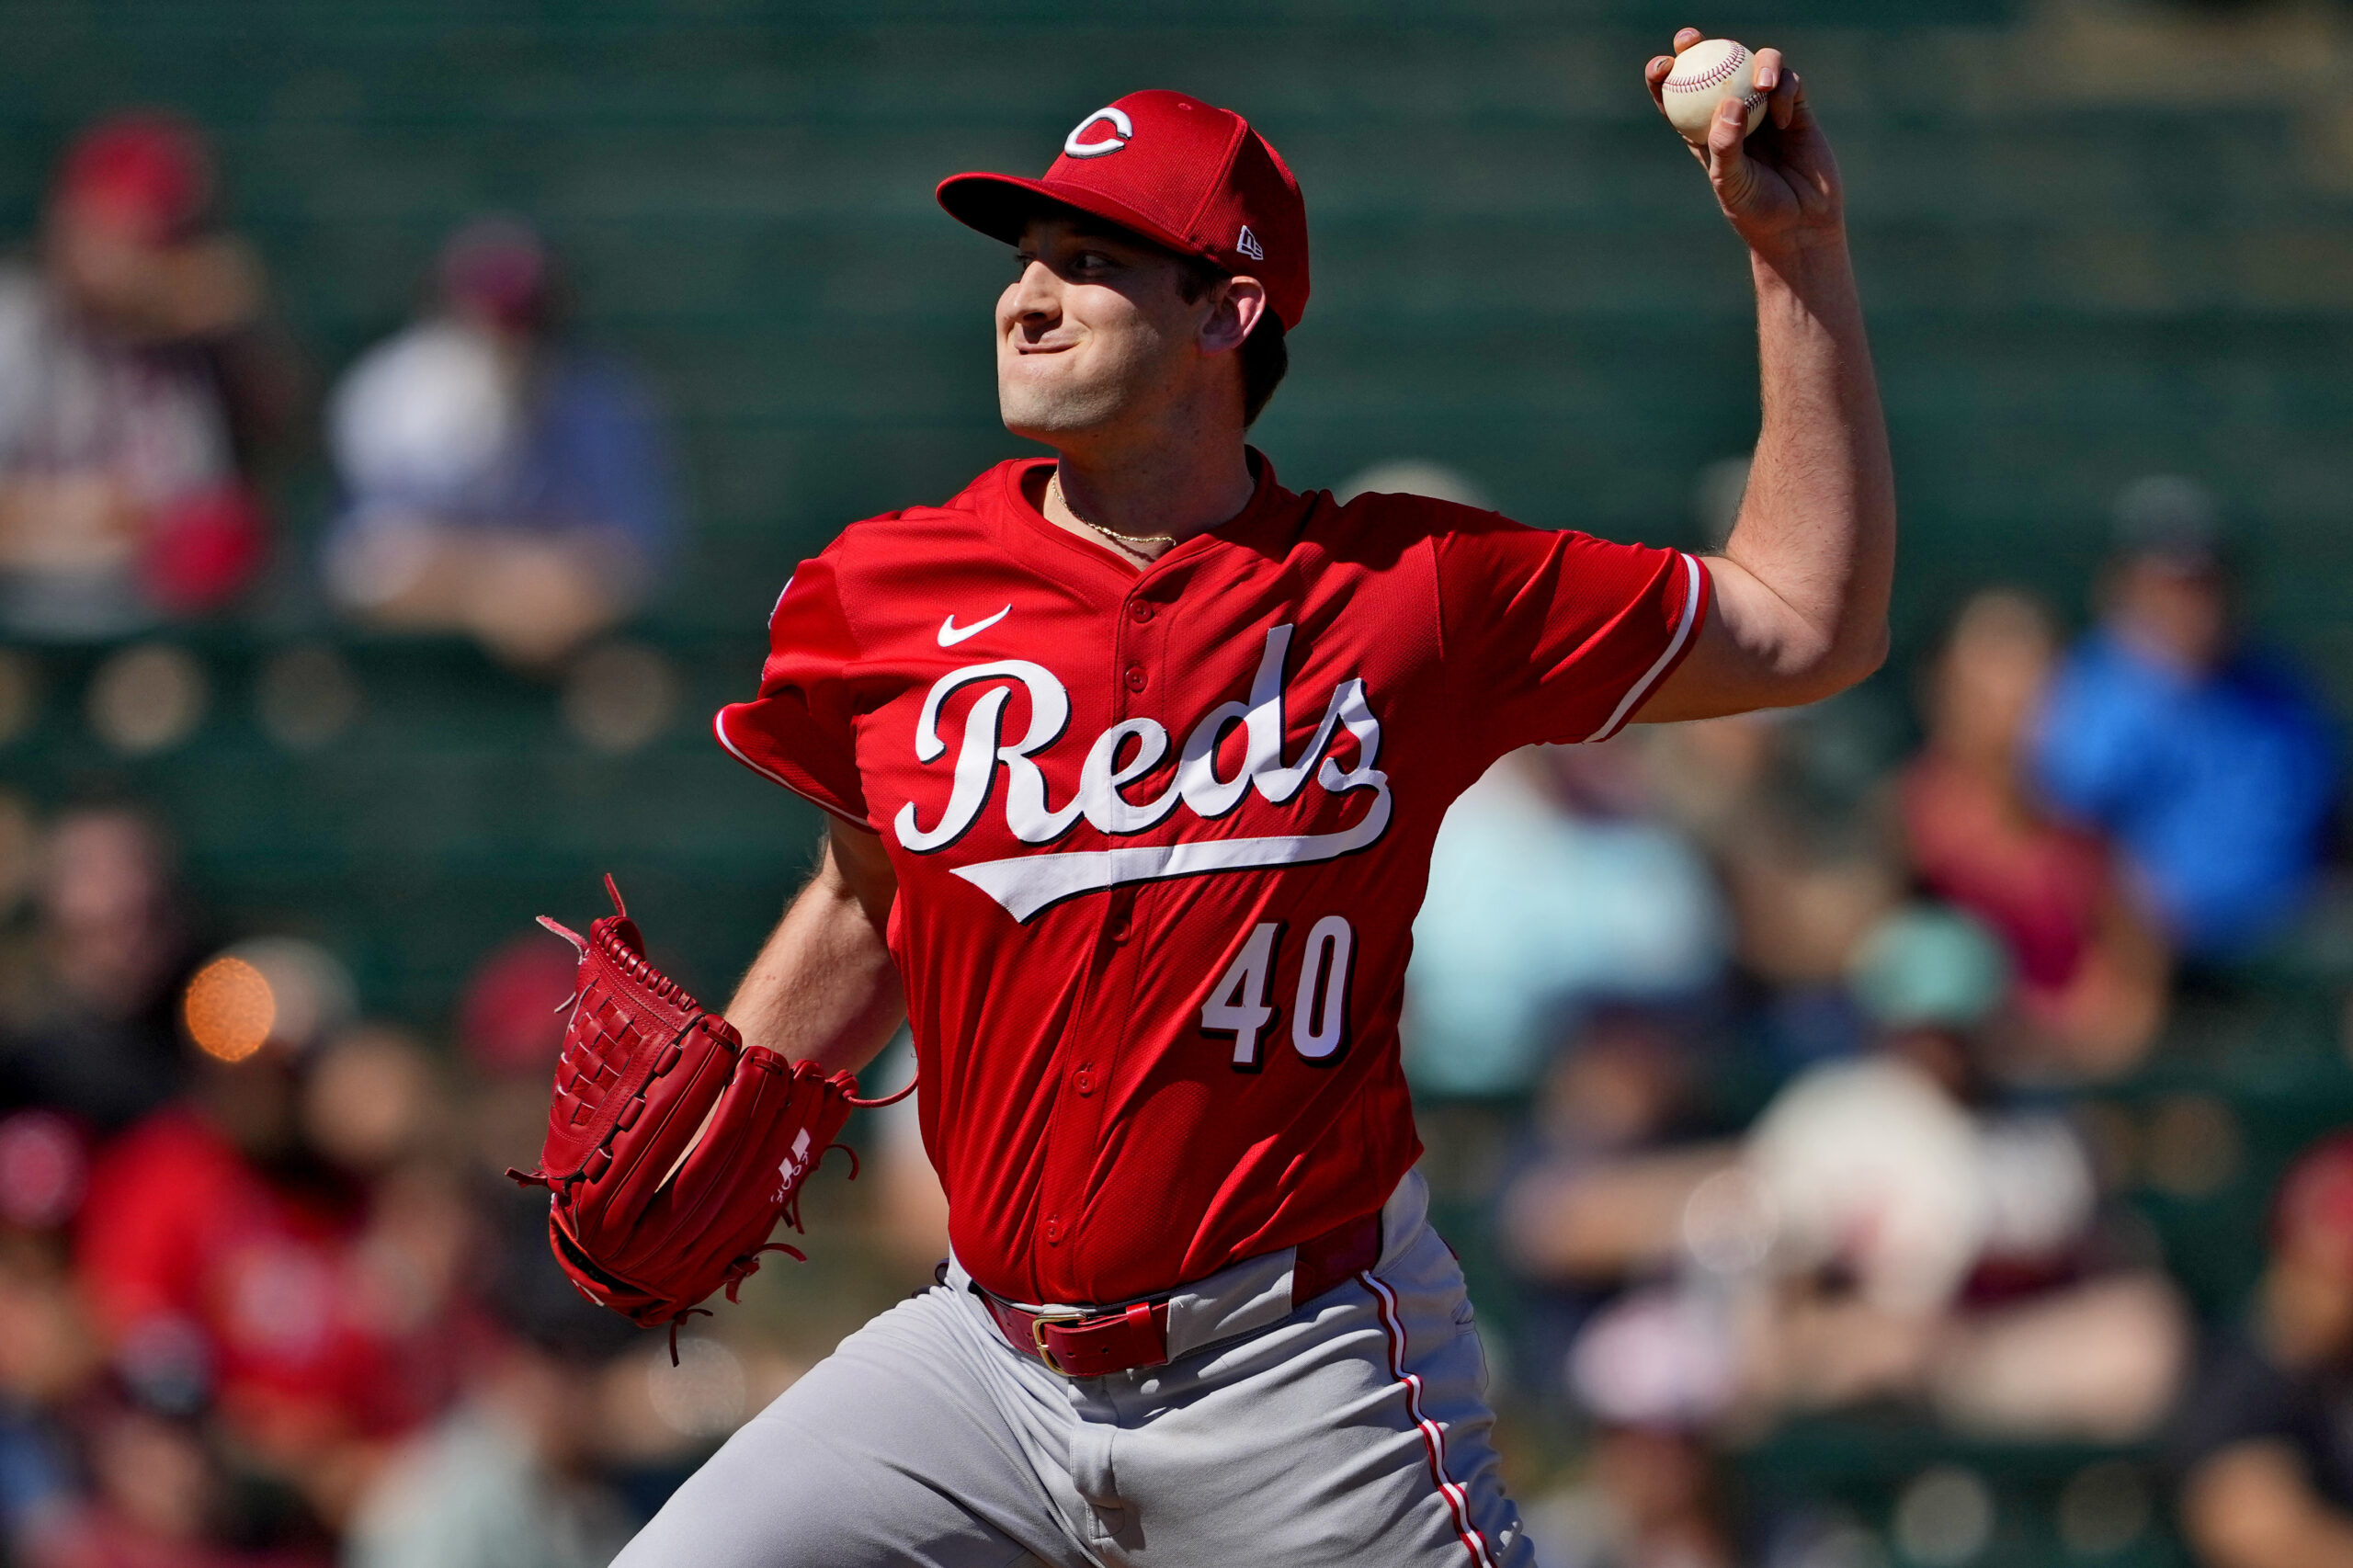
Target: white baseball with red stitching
x,y
1706,74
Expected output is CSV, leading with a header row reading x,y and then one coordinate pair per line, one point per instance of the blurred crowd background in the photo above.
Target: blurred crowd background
x,y
1905,1134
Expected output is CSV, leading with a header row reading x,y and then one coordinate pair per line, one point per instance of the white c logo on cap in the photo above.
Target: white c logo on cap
x,y
1074,147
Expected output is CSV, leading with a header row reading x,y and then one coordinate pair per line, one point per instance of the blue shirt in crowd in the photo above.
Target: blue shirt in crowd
x,y
2216,786
426,428
1535,914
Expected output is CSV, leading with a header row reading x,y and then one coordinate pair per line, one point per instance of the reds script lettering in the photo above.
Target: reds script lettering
x,y
1025,884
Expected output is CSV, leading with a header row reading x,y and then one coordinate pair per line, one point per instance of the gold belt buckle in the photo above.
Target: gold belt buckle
x,y
1038,1326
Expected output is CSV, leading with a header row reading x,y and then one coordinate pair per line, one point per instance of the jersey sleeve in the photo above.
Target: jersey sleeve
x,y
801,731
1556,637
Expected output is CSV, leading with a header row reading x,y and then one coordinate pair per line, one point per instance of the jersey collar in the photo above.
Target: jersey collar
x,y
1030,532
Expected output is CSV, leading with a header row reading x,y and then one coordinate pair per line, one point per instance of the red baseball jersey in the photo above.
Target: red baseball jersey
x,y
1161,833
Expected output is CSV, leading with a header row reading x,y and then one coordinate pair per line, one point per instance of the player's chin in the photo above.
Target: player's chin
x,y
1052,427
1041,407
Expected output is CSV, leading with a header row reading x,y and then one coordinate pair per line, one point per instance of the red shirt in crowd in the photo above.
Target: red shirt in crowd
x,y
1161,833
181,1236
2043,885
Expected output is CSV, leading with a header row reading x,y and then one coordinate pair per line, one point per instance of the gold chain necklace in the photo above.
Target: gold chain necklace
x,y
1125,541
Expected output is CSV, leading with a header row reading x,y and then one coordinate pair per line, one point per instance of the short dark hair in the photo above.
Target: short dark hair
x,y
1266,355
1266,360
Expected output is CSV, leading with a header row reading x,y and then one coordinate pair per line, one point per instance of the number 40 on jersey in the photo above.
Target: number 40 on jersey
x,y
1241,1003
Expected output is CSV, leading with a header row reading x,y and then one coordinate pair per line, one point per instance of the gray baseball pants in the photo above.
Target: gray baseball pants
x,y
1351,1430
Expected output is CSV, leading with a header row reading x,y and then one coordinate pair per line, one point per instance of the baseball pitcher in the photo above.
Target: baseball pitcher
x,y
1132,760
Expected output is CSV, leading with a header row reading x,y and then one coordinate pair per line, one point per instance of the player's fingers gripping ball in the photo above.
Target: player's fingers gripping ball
x,y
673,1148
1705,75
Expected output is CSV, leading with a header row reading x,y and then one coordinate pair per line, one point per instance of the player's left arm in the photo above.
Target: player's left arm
x,y
1800,588
824,987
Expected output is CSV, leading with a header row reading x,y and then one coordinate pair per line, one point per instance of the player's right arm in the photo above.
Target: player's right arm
x,y
1801,589
824,988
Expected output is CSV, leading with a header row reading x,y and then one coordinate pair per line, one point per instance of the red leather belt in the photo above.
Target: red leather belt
x,y
1096,1344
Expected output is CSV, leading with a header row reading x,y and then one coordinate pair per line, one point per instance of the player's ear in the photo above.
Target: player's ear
x,y
1235,307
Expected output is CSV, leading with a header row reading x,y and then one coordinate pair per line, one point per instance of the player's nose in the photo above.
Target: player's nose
x,y
1035,300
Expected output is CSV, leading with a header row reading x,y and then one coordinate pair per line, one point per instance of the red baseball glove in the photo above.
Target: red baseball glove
x,y
673,1148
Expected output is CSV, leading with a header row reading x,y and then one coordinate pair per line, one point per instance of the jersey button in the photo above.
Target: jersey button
x,y
1053,1229
1083,1081
1118,930
1135,677
1138,610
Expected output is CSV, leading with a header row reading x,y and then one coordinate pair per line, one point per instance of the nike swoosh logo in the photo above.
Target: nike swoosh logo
x,y
951,633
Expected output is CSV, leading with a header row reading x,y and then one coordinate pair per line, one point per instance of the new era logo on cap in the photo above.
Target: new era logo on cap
x,y
1191,176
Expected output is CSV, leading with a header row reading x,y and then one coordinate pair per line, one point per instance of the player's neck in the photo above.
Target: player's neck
x,y
1153,498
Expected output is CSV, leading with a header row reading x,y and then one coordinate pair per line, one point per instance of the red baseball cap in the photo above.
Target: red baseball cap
x,y
1183,174
147,173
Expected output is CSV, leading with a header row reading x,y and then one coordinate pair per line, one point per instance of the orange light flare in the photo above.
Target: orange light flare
x,y
229,1009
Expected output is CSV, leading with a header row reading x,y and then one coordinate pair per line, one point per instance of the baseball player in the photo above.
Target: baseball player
x,y
1133,759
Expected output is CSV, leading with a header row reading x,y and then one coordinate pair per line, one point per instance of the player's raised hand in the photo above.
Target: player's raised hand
x,y
1780,186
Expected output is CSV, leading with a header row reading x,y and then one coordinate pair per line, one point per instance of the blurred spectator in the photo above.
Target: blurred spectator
x,y
501,481
376,1111
2091,974
2211,766
505,1480
1552,888
1649,1498
138,388
1879,1233
508,1476
2265,1442
88,1024
233,1264
1603,1198
47,1358
511,1014
91,1474
1789,808
1625,1082
160,1496
1934,1244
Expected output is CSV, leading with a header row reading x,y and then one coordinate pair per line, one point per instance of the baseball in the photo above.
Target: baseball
x,y
1706,74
